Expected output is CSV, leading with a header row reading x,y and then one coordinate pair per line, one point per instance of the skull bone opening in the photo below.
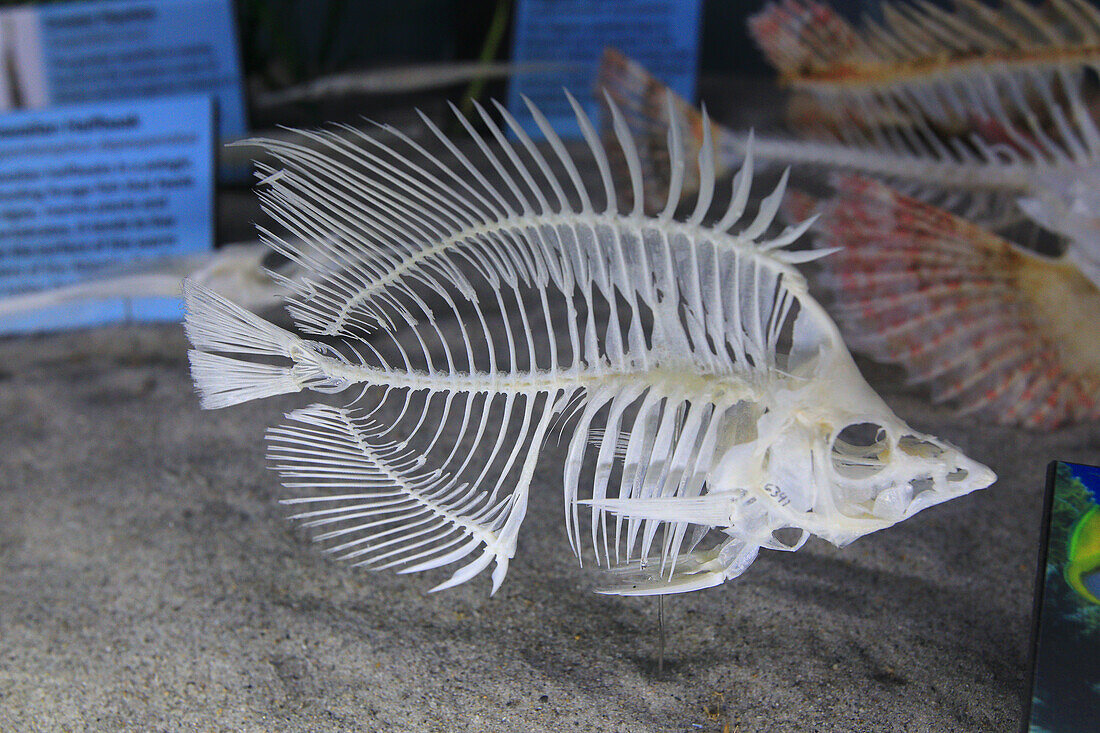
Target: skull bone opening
x,y
890,473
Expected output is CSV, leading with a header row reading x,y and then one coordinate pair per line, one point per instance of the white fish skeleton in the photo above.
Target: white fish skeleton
x,y
234,268
968,108
398,80
988,139
713,407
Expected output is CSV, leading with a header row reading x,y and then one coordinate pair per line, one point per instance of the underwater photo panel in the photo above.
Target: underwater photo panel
x,y
1065,683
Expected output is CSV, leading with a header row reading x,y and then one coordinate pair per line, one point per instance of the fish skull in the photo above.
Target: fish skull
x,y
835,461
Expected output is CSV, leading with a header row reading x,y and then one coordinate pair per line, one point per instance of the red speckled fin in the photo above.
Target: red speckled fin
x,y
986,326
803,38
644,102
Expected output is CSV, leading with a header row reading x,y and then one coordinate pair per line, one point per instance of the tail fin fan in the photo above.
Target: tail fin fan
x,y
215,324
223,381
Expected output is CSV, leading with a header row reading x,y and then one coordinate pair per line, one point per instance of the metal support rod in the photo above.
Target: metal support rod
x,y
660,634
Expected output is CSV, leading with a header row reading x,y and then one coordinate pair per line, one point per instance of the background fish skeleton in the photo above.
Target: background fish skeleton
x,y
981,119
710,404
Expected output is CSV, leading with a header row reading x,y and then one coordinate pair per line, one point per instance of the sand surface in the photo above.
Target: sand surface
x,y
149,582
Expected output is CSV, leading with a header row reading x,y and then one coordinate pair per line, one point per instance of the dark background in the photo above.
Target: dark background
x,y
286,42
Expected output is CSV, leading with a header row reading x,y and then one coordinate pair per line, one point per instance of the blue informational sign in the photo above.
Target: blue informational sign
x,y
85,190
661,35
106,50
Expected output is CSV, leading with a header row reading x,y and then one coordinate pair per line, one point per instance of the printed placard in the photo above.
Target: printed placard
x,y
92,189
661,35
106,50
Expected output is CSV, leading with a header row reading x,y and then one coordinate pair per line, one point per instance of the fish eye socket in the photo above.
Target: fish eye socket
x,y
859,450
862,435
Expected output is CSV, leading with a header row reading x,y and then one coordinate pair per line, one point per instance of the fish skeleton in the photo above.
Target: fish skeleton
x,y
399,80
979,172
967,109
234,268
921,66
975,104
928,275
709,405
